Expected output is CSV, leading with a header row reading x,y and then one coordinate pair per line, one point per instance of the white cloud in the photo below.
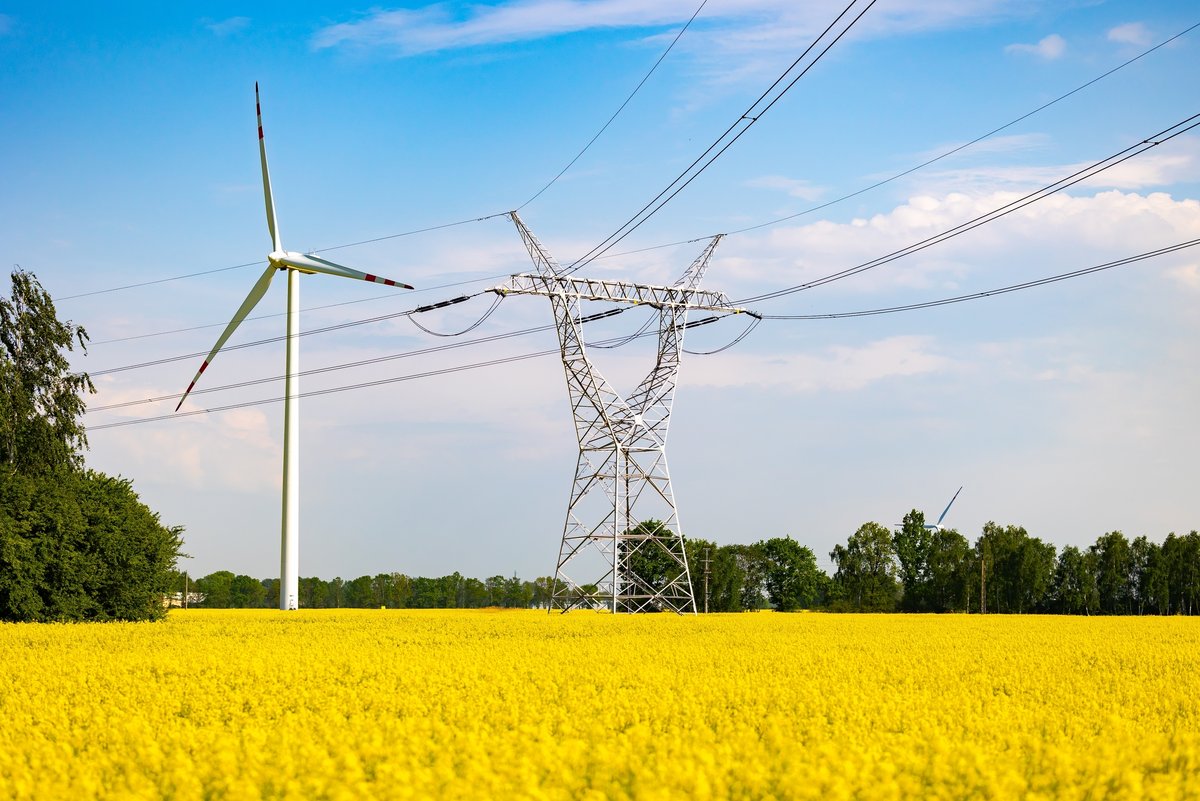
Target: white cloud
x,y
793,187
758,25
1134,33
1049,48
227,27
839,368
1015,143
435,27
1188,276
1056,234
1173,163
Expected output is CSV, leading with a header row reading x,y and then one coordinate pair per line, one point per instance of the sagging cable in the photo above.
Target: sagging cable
x,y
754,322
451,302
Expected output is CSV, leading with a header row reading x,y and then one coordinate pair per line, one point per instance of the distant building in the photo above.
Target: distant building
x,y
175,599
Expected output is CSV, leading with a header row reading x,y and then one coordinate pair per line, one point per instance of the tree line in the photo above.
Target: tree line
x,y
76,544
910,569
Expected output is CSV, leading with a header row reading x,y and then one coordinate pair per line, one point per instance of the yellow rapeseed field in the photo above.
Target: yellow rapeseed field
x,y
470,704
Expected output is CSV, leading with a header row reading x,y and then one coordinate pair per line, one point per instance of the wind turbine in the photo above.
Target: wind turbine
x,y
938,525
294,264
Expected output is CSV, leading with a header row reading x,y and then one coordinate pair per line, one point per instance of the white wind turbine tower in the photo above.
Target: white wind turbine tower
x,y
294,264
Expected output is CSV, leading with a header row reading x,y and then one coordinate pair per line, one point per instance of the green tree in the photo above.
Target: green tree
x,y
313,593
473,594
246,592
41,400
1181,563
951,569
270,593
1114,568
495,590
792,576
217,589
647,566
543,592
725,577
913,544
1019,569
517,594
1074,591
359,594
74,544
727,581
865,580
1147,576
80,546
750,570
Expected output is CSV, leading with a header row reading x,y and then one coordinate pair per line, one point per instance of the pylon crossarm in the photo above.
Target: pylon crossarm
x,y
692,275
617,292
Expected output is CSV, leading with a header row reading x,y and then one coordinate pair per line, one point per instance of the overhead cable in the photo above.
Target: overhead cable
x,y
929,304
331,390
261,262
755,320
372,299
604,127
282,337
742,124
887,310
652,247
1090,171
413,319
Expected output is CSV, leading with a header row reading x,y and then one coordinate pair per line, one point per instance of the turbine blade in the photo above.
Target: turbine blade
x,y
947,509
315,264
272,225
256,294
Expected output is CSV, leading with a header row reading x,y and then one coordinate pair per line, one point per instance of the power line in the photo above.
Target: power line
x,y
604,128
749,117
371,299
330,391
333,368
349,365
929,304
260,262
1090,171
521,357
430,228
757,226
282,337
923,164
971,143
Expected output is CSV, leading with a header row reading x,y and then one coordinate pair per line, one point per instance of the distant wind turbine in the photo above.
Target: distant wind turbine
x,y
938,525
294,264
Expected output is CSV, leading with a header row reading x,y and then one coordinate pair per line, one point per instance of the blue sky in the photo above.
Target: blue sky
x,y
129,155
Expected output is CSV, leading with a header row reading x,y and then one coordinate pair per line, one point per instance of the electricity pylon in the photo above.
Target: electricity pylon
x,y
622,543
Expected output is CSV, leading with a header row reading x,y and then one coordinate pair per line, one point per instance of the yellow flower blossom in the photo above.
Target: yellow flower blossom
x,y
421,704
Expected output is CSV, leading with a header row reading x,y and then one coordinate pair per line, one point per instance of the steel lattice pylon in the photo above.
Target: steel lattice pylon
x,y
622,543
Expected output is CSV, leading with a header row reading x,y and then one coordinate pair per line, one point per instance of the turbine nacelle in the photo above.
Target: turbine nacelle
x,y
311,264
938,525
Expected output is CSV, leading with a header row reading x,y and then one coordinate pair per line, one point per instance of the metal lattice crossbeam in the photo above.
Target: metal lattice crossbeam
x,y
617,292
622,543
